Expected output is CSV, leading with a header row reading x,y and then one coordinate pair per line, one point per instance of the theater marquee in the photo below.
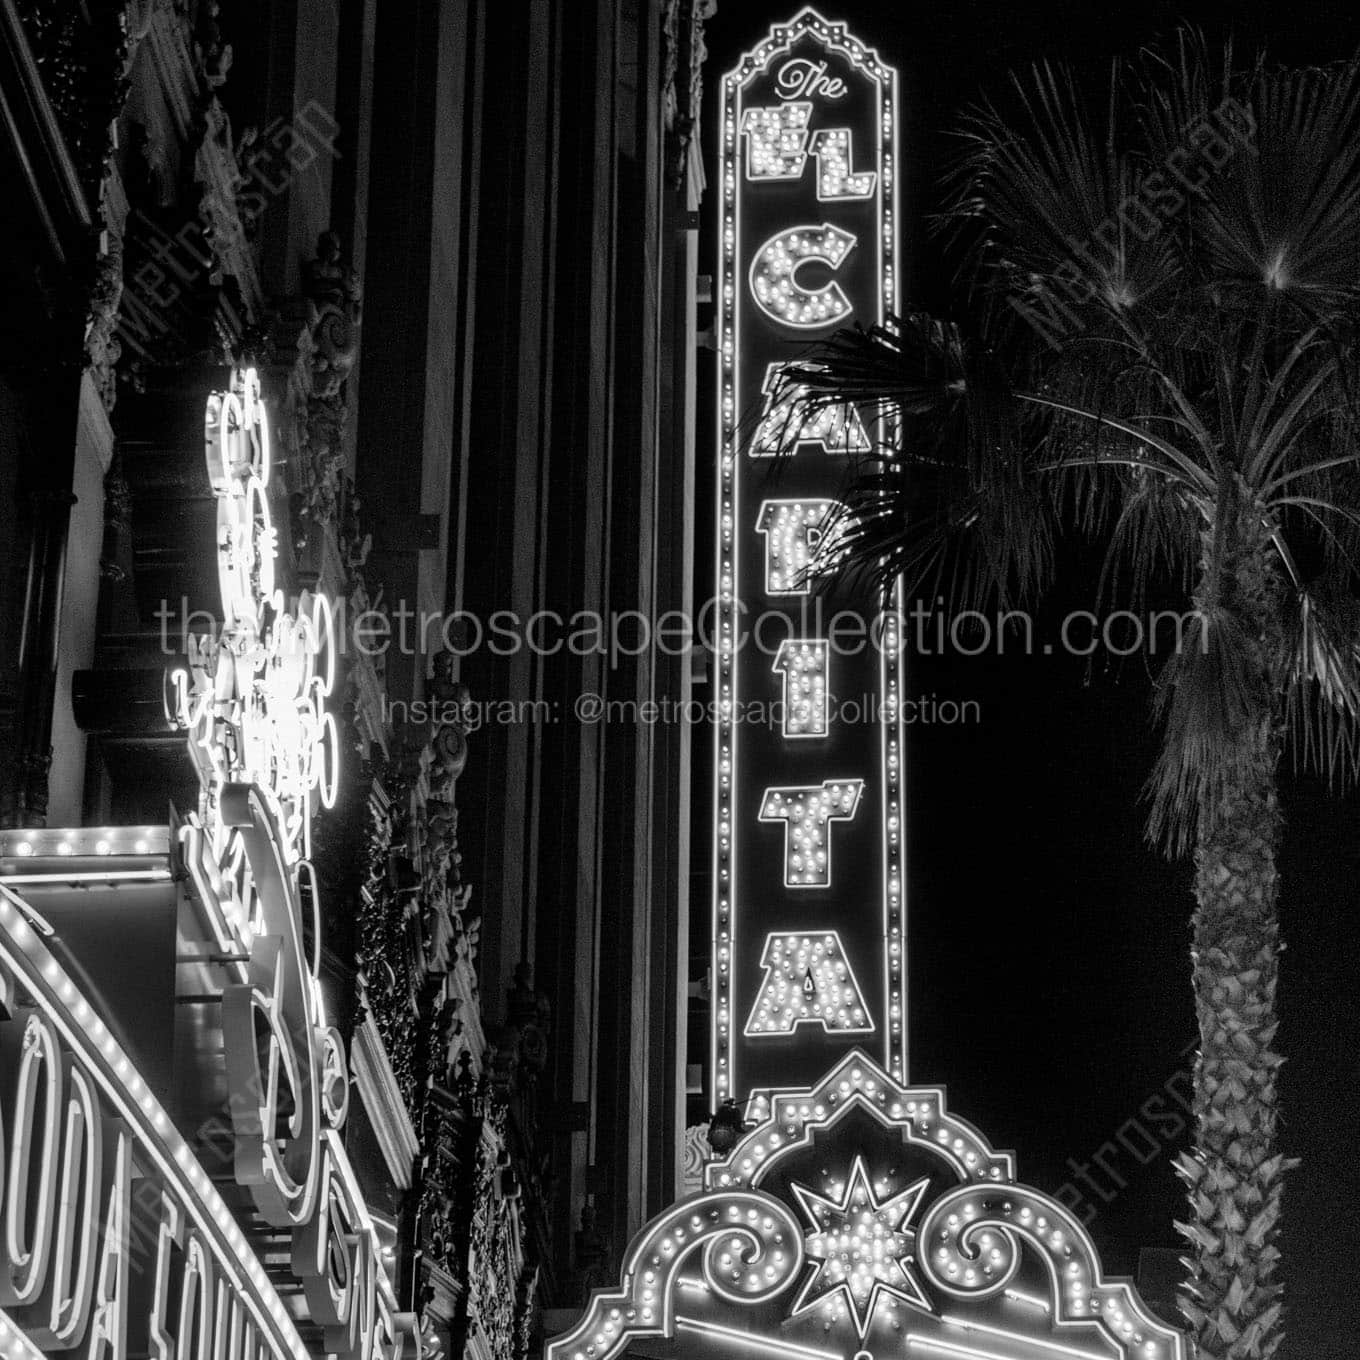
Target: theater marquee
x,y
860,1219
808,956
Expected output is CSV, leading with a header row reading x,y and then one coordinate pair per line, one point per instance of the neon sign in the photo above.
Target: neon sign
x,y
265,747
860,1218
806,829
84,1135
253,702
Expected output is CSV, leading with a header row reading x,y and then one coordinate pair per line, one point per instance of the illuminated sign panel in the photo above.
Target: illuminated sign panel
x,y
860,1219
808,876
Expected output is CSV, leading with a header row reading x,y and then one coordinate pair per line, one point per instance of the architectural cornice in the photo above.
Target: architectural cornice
x,y
383,1102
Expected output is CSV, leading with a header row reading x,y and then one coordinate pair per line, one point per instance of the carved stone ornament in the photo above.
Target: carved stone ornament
x,y
328,353
412,938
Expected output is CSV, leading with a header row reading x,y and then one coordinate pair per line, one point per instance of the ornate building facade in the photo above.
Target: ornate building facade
x,y
344,995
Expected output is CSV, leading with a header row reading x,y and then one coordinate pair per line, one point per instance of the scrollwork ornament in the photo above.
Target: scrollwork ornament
x,y
970,1248
752,1249
967,1249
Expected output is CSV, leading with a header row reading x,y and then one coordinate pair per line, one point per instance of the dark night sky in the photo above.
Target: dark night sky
x,y
1050,971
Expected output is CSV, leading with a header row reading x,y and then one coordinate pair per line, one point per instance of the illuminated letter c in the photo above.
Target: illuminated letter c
x,y
774,271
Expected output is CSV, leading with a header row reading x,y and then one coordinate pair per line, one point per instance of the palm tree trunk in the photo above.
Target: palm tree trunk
x,y
1235,1171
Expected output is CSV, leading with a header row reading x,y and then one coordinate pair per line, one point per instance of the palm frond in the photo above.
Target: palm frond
x,y
1284,220
1209,697
1052,212
916,524
947,500
914,365
1153,537
1322,697
1157,342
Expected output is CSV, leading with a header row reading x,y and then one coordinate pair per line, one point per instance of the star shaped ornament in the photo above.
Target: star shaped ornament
x,y
860,1246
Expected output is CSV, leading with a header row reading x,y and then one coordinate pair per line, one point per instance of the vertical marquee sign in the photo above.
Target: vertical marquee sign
x,y
856,1217
808,956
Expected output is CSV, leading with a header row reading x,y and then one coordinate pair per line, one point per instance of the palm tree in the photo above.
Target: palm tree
x,y
1157,341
